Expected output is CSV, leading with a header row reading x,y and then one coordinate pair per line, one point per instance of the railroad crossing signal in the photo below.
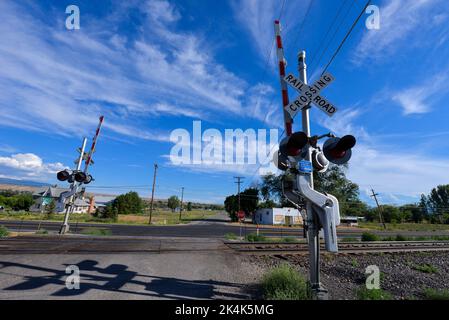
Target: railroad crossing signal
x,y
84,157
310,94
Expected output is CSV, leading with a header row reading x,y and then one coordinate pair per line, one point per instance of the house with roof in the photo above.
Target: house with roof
x,y
45,195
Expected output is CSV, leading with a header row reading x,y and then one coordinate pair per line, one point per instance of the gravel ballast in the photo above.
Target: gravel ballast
x,y
404,275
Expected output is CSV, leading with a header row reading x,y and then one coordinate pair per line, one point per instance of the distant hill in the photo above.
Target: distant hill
x,y
23,182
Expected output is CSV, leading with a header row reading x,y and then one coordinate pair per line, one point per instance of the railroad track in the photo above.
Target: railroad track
x,y
267,248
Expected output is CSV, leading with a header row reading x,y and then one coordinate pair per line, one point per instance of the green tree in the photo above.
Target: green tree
x,y
334,181
271,187
231,206
438,203
129,203
424,206
268,204
391,214
173,202
189,206
109,212
50,208
22,201
249,200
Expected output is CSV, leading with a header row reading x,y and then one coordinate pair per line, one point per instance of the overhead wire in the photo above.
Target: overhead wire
x,y
346,36
323,39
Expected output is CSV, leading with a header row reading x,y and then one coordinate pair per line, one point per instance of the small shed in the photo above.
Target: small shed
x,y
350,221
278,216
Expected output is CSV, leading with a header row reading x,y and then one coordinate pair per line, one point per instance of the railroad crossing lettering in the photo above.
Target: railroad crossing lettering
x,y
310,94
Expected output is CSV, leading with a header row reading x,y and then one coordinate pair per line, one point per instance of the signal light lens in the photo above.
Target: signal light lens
x,y
296,142
345,143
63,175
338,150
80,176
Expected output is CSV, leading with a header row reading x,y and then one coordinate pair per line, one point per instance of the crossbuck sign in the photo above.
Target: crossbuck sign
x,y
310,94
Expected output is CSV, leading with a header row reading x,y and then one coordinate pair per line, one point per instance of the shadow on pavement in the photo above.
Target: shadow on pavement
x,y
115,277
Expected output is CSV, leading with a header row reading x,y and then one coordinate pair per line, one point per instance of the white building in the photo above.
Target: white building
x,y
280,216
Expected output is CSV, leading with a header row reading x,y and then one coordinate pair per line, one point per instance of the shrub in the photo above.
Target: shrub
x,y
400,237
284,283
433,294
425,268
367,236
255,238
440,238
96,232
373,294
230,236
3,232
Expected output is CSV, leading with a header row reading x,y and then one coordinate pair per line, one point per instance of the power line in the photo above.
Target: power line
x,y
301,27
328,30
346,37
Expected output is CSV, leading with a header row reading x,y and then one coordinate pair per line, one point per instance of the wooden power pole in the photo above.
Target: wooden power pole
x,y
182,198
239,182
152,192
379,208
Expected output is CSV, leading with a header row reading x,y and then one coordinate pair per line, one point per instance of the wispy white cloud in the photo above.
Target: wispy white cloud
x,y
396,171
7,148
257,18
390,170
418,99
27,165
403,24
53,79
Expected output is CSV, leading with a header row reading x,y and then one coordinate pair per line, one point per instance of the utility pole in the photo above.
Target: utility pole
x,y
152,191
379,208
182,198
313,225
239,182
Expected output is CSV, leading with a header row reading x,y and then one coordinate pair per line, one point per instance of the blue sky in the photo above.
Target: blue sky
x,y
154,66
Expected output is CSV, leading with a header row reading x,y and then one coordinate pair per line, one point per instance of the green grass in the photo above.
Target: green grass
x,y
425,268
350,240
354,263
42,231
255,238
367,236
284,283
400,237
96,232
289,240
159,217
405,226
3,232
373,294
433,294
230,236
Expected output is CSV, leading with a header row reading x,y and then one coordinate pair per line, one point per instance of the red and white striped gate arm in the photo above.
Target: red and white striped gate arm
x,y
282,63
94,143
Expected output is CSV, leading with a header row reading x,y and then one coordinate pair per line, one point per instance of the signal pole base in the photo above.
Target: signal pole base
x,y
319,292
64,229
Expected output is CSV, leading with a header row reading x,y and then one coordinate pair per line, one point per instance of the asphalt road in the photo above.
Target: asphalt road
x,y
216,227
34,267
